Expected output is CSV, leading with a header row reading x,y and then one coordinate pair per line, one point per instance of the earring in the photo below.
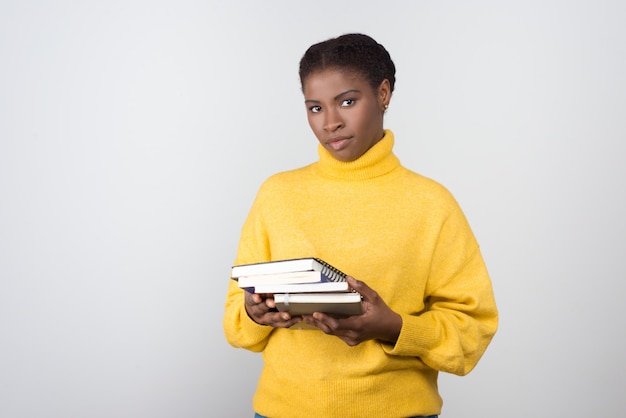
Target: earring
x,y
386,106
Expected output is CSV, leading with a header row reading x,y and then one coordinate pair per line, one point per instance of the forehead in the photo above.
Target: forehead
x,y
334,81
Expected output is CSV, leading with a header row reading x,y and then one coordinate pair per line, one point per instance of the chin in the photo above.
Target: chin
x,y
344,158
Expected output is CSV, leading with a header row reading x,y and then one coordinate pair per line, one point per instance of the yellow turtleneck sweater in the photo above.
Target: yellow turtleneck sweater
x,y
405,236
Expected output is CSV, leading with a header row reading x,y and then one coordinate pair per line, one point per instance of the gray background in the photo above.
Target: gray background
x,y
134,135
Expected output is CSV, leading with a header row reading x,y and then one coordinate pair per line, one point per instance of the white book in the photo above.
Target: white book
x,y
300,287
282,278
286,266
343,303
279,272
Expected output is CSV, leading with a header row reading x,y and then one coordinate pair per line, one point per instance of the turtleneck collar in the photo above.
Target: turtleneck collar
x,y
376,161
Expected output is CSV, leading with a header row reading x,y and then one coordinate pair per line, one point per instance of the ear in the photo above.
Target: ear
x,y
384,94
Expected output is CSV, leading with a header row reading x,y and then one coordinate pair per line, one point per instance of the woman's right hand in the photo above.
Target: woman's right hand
x,y
262,310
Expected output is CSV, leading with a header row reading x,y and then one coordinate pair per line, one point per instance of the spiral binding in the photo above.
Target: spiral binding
x,y
332,272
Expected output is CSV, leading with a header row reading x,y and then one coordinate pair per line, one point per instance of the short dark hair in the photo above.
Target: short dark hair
x,y
354,51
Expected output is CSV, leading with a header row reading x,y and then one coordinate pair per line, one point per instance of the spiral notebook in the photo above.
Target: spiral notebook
x,y
292,271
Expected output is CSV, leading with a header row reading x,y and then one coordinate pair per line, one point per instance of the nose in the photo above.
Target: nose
x,y
332,120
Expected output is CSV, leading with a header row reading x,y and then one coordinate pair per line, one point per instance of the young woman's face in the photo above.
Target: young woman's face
x,y
344,112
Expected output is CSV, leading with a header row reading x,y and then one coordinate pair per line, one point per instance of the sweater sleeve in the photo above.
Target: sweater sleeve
x,y
460,316
239,329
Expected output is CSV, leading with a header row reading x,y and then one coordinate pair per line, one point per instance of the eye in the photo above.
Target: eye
x,y
315,109
347,102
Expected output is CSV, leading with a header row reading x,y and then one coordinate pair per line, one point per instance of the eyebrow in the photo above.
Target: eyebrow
x,y
337,97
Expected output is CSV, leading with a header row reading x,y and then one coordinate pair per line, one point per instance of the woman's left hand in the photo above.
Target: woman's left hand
x,y
377,321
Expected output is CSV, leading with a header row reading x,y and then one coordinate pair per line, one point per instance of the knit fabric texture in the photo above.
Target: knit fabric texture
x,y
406,237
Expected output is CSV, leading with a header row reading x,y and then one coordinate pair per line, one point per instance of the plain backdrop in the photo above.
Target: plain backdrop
x,y
134,135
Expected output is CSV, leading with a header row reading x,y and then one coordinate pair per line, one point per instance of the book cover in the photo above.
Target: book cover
x,y
300,287
300,277
285,266
344,303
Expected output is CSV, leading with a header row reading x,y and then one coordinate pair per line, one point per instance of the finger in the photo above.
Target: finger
x,y
270,302
282,316
326,323
361,287
282,319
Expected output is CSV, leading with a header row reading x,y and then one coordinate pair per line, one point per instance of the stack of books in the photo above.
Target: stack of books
x,y
300,286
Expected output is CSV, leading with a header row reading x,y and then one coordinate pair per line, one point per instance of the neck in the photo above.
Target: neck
x,y
376,161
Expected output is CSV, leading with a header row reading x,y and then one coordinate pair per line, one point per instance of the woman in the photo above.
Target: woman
x,y
427,296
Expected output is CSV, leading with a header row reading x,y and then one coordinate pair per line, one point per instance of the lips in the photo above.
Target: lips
x,y
338,142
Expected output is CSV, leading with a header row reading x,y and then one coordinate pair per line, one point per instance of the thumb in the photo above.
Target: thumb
x,y
365,291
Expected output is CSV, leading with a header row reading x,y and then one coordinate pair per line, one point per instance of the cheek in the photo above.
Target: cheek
x,y
314,123
361,122
370,119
